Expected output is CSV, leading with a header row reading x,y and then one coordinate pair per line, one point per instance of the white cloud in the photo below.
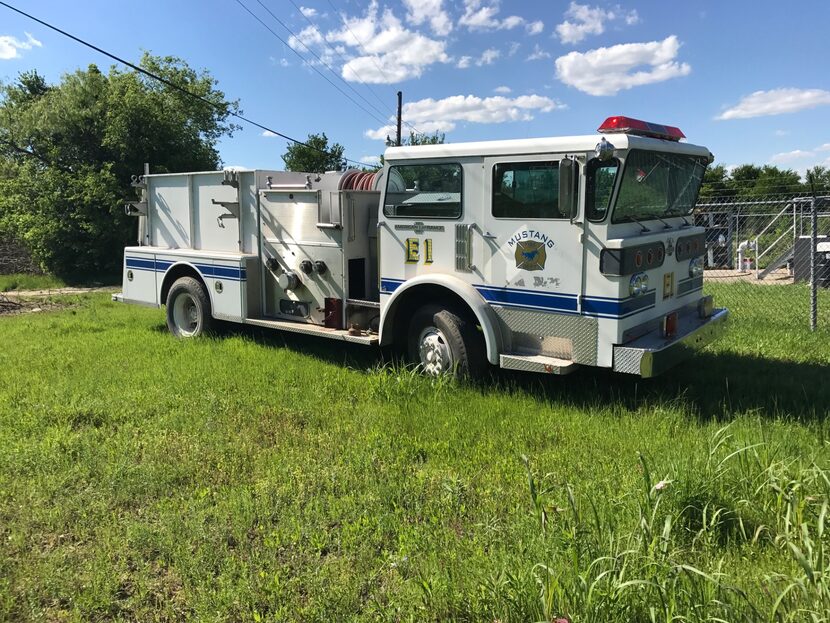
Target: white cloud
x,y
514,47
432,11
268,134
805,157
372,160
488,57
790,156
776,102
606,71
535,28
583,20
388,52
503,90
538,54
782,133
308,11
464,62
429,115
480,16
10,46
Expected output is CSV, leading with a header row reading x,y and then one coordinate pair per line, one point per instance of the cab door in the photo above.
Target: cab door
x,y
532,250
424,214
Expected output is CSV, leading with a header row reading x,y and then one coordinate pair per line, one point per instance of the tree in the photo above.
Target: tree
x,y
715,183
818,179
68,151
436,138
750,181
315,156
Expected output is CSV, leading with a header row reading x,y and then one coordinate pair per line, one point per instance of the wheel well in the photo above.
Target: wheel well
x,y
418,296
177,272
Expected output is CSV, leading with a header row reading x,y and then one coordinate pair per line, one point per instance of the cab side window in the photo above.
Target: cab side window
x,y
526,190
424,191
600,187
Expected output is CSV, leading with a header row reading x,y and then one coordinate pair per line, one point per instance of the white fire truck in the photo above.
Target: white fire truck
x,y
536,254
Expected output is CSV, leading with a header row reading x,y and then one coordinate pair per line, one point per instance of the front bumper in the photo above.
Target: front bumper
x,y
653,354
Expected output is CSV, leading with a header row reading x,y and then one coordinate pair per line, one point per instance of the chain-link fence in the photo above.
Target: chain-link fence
x,y
763,255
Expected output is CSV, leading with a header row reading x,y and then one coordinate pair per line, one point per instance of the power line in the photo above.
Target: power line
x,y
334,49
302,58
223,107
371,56
322,62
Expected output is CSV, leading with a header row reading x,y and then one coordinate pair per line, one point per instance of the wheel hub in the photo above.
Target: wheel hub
x,y
434,352
186,314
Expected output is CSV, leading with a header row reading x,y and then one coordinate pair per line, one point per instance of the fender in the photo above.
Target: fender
x,y
175,265
484,313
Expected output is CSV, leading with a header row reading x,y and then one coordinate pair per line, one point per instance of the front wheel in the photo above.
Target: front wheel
x,y
442,342
188,308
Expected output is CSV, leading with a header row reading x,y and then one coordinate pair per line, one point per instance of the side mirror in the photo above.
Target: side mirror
x,y
568,188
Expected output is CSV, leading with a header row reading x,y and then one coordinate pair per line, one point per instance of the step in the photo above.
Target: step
x,y
777,263
537,363
366,338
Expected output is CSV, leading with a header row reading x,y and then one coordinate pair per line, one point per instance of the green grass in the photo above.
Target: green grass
x,y
13,282
262,477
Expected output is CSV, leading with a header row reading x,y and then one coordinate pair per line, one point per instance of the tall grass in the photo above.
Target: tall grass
x,y
657,564
257,476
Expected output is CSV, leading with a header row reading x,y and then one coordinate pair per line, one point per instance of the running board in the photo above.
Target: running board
x,y
365,338
537,363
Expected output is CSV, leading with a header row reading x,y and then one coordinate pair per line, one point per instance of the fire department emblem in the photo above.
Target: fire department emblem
x,y
530,255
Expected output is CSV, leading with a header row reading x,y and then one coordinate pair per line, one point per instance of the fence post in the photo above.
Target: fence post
x,y
813,276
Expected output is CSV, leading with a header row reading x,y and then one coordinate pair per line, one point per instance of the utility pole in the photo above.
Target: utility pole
x,y
400,101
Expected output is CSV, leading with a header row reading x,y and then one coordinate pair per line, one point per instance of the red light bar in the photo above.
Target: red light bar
x,y
641,128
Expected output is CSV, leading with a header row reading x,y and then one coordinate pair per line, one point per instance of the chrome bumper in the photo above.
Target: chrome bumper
x,y
652,355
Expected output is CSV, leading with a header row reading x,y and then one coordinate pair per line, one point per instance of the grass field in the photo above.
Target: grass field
x,y
263,477
9,283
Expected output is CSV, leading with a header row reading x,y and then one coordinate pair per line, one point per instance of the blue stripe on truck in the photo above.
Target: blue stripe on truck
x,y
233,273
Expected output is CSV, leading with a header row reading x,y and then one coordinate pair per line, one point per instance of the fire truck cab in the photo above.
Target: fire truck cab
x,y
534,254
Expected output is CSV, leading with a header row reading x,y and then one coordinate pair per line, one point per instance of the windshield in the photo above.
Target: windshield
x,y
656,185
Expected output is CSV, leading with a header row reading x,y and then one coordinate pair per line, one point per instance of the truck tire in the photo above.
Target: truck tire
x,y
443,342
188,308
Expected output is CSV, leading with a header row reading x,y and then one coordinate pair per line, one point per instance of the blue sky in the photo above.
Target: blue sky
x,y
746,79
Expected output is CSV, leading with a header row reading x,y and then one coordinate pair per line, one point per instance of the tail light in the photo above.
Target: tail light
x,y
670,325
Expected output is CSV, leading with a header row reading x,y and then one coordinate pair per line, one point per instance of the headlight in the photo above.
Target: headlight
x,y
638,284
696,267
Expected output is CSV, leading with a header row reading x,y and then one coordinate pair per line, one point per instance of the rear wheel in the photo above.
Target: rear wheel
x,y
443,342
188,308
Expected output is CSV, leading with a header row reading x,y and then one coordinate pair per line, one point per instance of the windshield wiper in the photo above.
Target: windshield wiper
x,y
665,223
644,228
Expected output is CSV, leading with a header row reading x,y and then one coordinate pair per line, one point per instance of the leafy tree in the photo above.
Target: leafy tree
x,y
68,151
716,183
820,178
315,156
436,138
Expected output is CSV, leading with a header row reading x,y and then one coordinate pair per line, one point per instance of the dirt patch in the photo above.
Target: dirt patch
x,y
10,305
56,292
777,277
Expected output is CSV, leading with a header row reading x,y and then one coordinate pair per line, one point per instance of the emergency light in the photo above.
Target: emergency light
x,y
627,125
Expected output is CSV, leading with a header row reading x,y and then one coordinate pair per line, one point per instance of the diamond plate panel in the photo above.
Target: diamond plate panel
x,y
537,363
581,331
627,360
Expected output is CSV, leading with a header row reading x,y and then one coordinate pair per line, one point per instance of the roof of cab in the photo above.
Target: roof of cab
x,y
559,144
